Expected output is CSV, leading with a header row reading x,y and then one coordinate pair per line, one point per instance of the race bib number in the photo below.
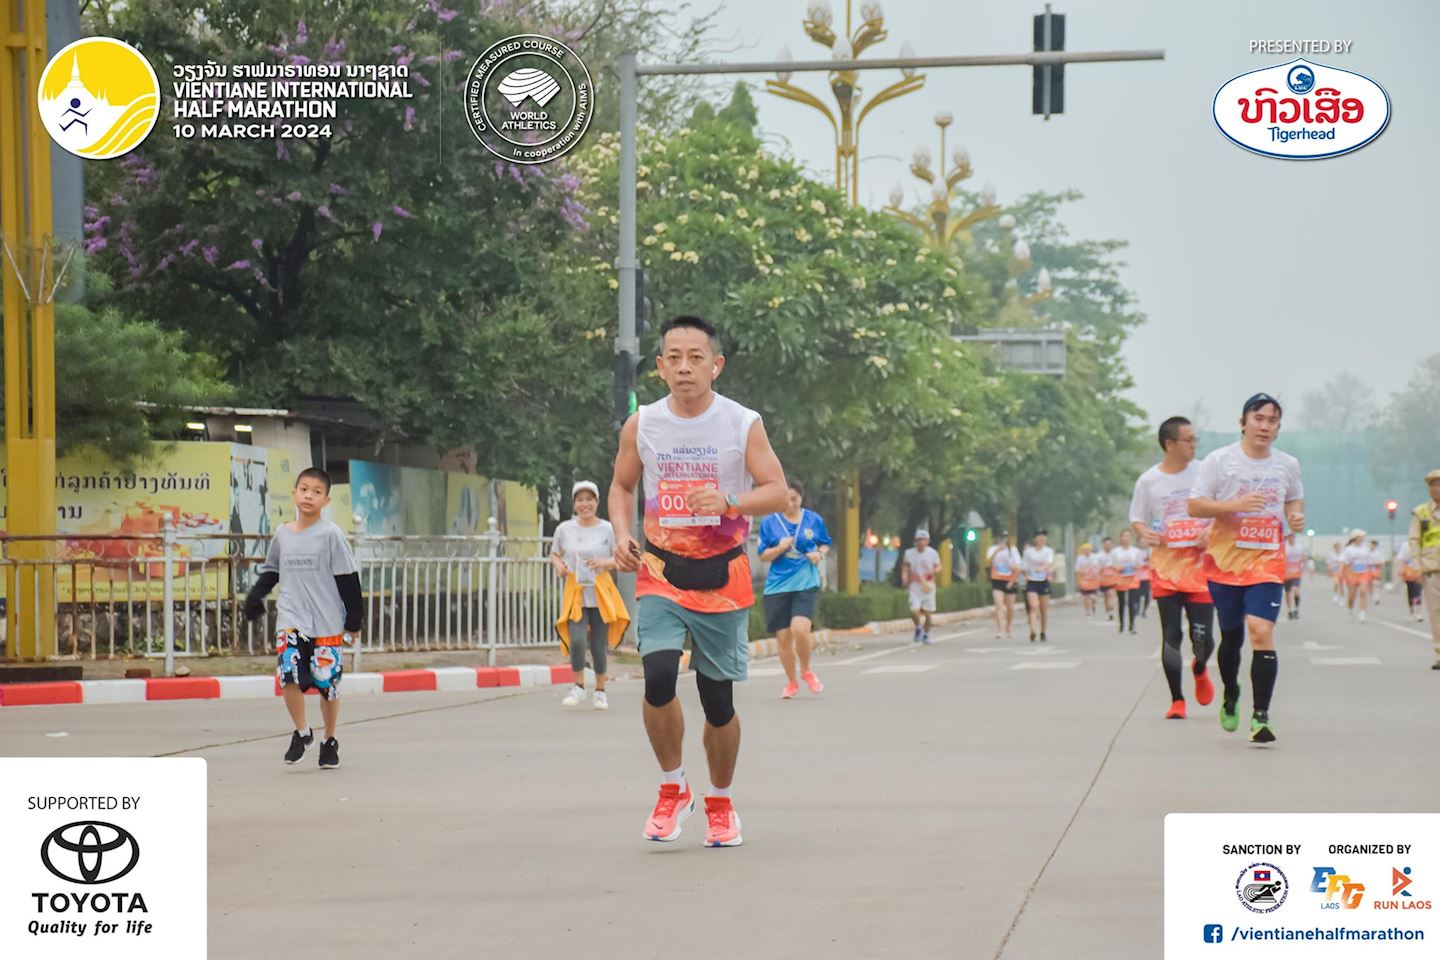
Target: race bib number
x,y
1184,533
675,510
1259,533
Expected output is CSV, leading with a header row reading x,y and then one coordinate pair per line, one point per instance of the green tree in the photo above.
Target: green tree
x,y
1405,442
123,382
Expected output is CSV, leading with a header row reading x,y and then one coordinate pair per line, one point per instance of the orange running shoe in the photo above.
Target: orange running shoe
x,y
671,810
812,681
1204,689
789,692
724,823
1176,711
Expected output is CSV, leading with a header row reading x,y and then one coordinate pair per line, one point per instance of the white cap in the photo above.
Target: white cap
x,y
585,485
1356,534
922,532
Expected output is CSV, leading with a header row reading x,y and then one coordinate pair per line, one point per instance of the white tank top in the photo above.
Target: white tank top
x,y
680,453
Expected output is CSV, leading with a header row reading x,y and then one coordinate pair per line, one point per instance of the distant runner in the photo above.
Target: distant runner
x,y
1410,575
1109,575
1127,559
1087,576
1004,562
1355,559
1039,568
917,572
1336,568
1294,571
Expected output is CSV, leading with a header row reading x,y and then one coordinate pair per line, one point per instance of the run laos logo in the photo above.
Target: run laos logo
x,y
1262,888
1301,111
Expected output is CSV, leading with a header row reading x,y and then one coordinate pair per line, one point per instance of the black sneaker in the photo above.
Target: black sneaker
x,y
329,753
1042,637
298,746
1032,636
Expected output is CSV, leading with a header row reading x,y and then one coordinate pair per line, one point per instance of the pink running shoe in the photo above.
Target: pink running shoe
x,y
789,692
671,810
812,681
724,823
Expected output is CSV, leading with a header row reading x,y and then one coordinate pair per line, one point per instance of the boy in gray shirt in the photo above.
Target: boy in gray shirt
x,y
319,610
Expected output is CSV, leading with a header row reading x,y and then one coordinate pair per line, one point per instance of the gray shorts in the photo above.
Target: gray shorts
x,y
719,642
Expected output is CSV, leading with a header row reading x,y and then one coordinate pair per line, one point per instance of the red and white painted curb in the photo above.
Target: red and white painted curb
x,y
267,685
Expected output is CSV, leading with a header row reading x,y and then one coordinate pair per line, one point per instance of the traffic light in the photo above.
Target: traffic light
x,y
1048,88
1391,506
971,535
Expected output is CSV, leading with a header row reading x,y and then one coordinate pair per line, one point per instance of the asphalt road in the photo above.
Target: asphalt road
x,y
973,799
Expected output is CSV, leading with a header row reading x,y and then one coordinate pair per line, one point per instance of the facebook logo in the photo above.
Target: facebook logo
x,y
1214,933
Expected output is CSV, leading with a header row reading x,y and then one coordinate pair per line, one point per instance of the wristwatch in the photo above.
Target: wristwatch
x,y
733,499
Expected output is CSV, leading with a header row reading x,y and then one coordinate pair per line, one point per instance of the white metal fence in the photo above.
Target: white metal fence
x,y
174,594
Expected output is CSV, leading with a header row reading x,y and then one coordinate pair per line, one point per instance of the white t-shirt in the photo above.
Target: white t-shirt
x,y
575,544
1039,562
1356,558
1228,474
1128,560
1402,556
1161,502
1004,561
922,564
1087,562
1377,559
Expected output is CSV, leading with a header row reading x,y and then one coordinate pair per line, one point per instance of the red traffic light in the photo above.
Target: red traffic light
x,y
1392,506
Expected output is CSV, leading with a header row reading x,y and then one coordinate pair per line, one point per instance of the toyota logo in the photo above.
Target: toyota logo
x,y
90,852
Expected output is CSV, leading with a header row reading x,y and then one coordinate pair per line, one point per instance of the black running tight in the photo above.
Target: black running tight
x,y
1128,600
1173,611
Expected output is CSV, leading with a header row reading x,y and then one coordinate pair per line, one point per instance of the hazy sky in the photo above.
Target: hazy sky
x,y
1255,273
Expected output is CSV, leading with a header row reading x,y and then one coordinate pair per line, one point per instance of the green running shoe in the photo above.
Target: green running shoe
x,y
1260,731
1229,712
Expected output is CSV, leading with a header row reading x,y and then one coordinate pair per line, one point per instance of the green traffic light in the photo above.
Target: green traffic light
x,y
1310,532
634,403
970,536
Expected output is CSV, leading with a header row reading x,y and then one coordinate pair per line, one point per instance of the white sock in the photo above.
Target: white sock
x,y
307,732
720,792
674,776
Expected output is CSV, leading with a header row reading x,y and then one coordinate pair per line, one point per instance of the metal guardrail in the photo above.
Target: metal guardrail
x,y
172,594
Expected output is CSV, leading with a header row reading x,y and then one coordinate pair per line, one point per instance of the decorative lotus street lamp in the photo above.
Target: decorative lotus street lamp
x,y
943,225
1019,263
853,108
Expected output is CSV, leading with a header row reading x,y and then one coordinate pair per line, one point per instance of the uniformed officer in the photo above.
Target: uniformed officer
x,y
1425,548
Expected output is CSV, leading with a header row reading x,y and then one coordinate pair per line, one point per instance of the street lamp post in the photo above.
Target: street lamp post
x,y
845,121
941,226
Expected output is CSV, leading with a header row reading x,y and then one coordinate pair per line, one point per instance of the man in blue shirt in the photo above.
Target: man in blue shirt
x,y
794,543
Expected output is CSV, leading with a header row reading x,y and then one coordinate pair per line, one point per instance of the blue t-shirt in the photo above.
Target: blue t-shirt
x,y
792,571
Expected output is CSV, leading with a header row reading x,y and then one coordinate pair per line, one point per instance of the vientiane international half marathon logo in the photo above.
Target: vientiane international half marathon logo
x,y
529,99
99,98
1301,111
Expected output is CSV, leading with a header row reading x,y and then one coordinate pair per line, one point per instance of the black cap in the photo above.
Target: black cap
x,y
1258,401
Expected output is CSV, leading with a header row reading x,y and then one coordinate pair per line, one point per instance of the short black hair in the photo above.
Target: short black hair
x,y
314,473
686,320
796,485
1170,429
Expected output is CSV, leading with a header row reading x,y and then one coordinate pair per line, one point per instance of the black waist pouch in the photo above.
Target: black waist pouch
x,y
691,573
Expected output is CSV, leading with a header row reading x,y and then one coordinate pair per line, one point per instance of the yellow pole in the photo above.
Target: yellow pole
x,y
26,227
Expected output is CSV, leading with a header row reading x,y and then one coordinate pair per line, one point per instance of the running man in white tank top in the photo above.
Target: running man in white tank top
x,y
707,467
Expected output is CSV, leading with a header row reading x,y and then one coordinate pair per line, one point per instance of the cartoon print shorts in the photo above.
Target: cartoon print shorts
x,y
309,665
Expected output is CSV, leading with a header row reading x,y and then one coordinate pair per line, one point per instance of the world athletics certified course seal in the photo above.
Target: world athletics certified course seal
x,y
529,99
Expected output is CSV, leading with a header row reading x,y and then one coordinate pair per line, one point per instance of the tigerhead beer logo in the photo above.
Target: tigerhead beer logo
x,y
529,99
99,98
1301,111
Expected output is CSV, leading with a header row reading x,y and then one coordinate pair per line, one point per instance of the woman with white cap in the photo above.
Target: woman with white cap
x,y
591,610
1355,558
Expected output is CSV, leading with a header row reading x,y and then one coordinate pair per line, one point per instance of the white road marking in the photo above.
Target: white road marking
x,y
1046,665
1311,645
910,646
766,671
902,668
1410,630
1345,661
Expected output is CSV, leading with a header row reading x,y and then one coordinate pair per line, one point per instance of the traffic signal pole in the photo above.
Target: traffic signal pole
x,y
627,263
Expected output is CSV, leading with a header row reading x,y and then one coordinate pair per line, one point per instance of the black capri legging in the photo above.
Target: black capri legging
x,y
591,624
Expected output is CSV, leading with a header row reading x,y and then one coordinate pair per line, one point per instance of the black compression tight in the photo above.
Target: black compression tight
x,y
1173,611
